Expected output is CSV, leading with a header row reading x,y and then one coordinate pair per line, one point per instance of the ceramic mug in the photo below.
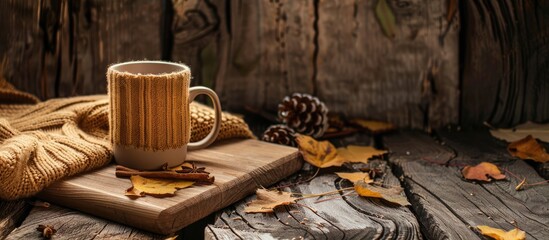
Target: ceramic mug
x,y
149,116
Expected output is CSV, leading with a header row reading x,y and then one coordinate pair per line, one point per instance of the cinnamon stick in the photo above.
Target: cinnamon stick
x,y
202,178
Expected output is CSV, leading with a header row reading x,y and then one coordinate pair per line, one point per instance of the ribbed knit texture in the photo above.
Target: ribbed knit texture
x,y
46,141
146,108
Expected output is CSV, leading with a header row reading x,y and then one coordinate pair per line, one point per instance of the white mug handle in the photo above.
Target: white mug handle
x,y
210,138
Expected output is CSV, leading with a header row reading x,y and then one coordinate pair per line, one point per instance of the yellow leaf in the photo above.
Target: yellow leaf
x,y
499,234
374,126
354,153
482,172
155,187
267,200
392,195
355,176
528,148
320,154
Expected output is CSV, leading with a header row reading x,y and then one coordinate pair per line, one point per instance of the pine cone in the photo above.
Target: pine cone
x,y
304,113
280,134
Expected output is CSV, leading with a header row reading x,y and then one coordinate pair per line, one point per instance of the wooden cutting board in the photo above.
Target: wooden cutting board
x,y
239,167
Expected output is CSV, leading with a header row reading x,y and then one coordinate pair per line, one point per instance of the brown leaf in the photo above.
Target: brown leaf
x,y
320,154
528,148
267,200
374,126
499,234
392,195
355,176
353,153
482,171
155,186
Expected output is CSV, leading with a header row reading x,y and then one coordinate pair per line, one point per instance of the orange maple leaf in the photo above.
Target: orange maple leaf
x,y
482,172
528,148
499,234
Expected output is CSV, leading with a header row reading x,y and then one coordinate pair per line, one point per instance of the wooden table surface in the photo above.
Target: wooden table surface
x,y
444,206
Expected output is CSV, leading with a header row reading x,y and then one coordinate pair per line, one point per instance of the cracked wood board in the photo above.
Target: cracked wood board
x,y
239,167
449,207
343,217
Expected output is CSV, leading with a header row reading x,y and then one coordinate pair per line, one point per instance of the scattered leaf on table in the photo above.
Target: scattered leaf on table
x,y
452,9
353,153
267,200
374,126
155,187
499,234
320,154
539,131
386,18
392,195
528,148
355,176
183,165
482,172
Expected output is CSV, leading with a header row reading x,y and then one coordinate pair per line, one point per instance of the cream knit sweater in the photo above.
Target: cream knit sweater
x,y
41,142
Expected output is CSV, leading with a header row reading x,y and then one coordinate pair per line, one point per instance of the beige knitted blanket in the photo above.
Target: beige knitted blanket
x,y
41,142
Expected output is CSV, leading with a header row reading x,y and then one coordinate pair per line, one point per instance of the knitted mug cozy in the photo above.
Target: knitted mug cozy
x,y
149,111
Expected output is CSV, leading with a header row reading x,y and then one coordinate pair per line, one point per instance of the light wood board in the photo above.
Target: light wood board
x,y
239,167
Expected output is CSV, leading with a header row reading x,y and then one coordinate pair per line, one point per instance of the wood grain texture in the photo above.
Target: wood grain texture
x,y
12,214
449,207
239,167
265,52
344,217
410,80
62,48
75,225
505,68
337,51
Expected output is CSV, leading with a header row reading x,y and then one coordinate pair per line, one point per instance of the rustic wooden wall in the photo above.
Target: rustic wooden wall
x,y
58,48
506,63
253,53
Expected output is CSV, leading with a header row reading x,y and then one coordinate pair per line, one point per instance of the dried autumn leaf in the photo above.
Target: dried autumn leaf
x,y
499,234
353,153
374,126
539,131
320,154
355,176
528,148
482,172
267,200
155,187
386,18
392,195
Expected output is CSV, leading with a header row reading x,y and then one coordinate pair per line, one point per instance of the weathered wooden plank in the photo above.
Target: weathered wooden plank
x,y
448,206
505,70
410,80
62,48
12,214
344,217
266,51
75,225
